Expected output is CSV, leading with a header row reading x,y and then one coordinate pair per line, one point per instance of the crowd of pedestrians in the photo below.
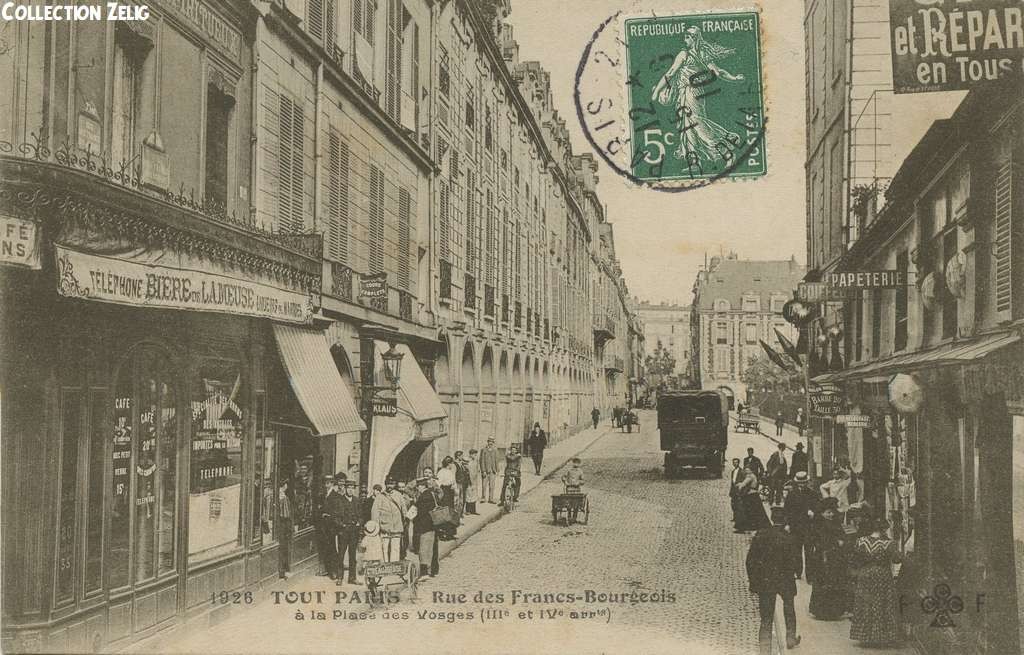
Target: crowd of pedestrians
x,y
404,520
841,548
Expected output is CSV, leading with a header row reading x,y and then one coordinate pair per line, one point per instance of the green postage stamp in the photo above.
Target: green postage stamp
x,y
696,102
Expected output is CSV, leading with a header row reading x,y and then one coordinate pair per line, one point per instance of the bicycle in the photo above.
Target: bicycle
x,y
511,491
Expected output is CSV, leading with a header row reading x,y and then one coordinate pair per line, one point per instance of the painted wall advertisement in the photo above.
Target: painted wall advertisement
x,y
125,282
19,243
945,45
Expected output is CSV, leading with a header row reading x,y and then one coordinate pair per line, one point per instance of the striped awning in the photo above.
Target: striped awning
x,y
415,394
961,352
324,396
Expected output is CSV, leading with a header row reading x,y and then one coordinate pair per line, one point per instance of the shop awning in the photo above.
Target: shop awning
x,y
948,354
415,393
324,396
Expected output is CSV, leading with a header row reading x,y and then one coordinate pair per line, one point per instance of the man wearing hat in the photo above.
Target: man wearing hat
x,y
773,562
345,518
799,461
325,544
801,508
389,514
489,458
424,536
778,473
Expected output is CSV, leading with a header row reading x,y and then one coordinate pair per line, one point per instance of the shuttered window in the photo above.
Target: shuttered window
x,y
506,244
393,60
470,222
445,228
337,198
404,237
376,220
320,21
290,165
1003,237
491,242
363,18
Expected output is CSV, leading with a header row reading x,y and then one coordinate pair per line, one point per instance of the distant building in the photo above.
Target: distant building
x,y
669,325
736,304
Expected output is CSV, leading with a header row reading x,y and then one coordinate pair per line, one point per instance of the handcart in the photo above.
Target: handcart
x,y
570,506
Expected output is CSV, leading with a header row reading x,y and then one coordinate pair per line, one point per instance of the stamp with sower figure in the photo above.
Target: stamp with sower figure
x,y
696,102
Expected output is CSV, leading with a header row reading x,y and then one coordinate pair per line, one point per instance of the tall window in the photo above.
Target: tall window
x,y
321,22
337,197
215,481
721,332
144,463
404,238
471,228
130,52
876,322
901,304
218,116
1003,239
949,301
491,241
393,60
290,162
444,221
750,333
364,18
376,220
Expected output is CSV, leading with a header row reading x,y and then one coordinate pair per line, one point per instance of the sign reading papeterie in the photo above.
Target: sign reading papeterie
x,y
867,279
944,45
19,243
114,280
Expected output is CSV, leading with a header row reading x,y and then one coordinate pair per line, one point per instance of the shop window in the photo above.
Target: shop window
x,y
144,471
265,482
71,429
218,118
94,505
215,483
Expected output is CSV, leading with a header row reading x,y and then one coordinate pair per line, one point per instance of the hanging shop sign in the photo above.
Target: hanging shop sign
x,y
826,400
944,45
19,243
855,420
385,407
123,282
373,286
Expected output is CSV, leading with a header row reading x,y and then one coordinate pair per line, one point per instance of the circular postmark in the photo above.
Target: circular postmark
x,y
675,103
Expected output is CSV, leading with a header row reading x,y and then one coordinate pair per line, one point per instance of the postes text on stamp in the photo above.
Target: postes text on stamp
x,y
696,102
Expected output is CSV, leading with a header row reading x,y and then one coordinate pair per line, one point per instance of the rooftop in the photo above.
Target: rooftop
x,y
732,279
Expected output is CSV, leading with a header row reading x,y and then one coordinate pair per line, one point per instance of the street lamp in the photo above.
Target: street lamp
x,y
392,365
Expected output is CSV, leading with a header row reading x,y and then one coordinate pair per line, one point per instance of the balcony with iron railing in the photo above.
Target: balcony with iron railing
x,y
614,364
604,327
345,284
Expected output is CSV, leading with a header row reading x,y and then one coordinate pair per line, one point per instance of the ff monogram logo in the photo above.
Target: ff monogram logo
x,y
943,604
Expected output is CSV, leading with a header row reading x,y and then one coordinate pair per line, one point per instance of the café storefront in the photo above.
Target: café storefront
x,y
137,345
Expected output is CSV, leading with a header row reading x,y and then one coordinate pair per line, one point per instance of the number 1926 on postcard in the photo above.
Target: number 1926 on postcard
x,y
696,103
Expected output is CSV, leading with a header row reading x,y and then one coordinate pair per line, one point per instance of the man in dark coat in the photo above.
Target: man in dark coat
x,y
753,462
735,477
799,462
346,518
801,508
595,416
538,441
325,542
423,534
778,473
772,564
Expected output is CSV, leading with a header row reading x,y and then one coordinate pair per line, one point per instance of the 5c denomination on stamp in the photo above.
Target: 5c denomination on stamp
x,y
696,101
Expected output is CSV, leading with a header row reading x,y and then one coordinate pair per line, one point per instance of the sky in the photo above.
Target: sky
x,y
662,238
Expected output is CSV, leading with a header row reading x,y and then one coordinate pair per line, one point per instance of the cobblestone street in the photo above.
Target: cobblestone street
x,y
668,538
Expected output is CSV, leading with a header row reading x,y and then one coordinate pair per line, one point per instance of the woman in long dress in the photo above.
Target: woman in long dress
x,y
830,592
874,604
752,516
683,86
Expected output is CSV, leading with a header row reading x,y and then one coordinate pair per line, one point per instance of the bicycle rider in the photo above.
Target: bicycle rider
x,y
513,468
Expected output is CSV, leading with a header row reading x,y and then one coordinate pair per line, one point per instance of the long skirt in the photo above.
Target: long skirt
x,y
874,606
752,515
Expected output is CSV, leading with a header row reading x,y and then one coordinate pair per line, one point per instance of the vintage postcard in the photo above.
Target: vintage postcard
x,y
512,326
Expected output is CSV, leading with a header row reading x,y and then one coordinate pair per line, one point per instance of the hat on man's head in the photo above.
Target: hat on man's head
x,y
422,481
800,477
490,439
377,487
340,477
